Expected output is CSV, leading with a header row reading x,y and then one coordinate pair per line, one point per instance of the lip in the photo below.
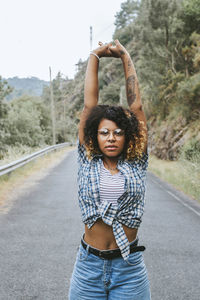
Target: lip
x,y
111,147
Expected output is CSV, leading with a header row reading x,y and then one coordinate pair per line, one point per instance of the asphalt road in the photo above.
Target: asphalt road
x,y
39,237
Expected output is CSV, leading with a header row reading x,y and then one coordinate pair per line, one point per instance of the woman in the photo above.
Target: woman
x,y
112,156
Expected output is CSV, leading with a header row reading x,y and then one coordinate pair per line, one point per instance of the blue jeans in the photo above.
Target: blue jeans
x,y
95,278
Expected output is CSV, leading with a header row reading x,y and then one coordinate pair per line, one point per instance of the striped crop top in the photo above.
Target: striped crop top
x,y
111,186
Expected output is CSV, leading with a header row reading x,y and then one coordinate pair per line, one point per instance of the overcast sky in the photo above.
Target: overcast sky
x,y
36,34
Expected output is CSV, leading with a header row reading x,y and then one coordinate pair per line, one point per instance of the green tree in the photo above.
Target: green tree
x,y
68,96
5,90
128,13
125,19
29,122
191,16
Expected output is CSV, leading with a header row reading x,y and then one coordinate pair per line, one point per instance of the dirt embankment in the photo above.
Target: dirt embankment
x,y
167,138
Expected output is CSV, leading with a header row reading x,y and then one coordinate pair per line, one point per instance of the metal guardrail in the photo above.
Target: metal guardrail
x,y
23,161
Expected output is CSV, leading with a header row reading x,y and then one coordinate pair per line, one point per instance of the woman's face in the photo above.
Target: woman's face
x,y
111,138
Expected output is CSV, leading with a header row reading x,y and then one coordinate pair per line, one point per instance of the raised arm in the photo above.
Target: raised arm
x,y
91,92
132,85
91,88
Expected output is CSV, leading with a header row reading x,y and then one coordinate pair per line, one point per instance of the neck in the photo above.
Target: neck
x,y
111,162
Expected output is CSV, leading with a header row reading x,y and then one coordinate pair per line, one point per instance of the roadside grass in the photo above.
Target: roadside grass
x,y
14,153
182,174
23,178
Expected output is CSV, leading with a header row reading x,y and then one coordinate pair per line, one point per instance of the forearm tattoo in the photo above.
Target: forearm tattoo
x,y
130,86
129,64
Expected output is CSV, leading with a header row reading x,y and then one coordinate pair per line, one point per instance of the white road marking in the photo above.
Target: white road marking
x,y
177,198
186,205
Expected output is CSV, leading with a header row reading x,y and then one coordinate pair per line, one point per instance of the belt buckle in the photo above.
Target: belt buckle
x,y
106,254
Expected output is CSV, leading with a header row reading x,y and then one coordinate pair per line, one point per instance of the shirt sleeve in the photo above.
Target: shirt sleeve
x,y
141,163
82,155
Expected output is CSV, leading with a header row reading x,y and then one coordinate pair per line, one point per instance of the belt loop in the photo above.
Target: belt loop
x,y
87,248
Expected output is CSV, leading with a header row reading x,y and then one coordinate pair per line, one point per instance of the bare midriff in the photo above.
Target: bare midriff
x,y
101,236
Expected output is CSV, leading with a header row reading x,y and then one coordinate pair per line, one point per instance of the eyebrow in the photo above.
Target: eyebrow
x,y
110,129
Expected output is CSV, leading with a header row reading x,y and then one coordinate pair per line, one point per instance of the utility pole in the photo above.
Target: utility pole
x,y
64,116
90,38
121,95
52,110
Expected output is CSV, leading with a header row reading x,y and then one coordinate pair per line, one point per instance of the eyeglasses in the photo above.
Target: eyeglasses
x,y
105,133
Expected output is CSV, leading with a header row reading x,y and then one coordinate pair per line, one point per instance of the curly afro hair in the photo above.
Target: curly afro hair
x,y
125,119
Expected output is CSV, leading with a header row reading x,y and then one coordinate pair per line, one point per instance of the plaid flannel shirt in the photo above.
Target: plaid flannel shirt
x,y
130,204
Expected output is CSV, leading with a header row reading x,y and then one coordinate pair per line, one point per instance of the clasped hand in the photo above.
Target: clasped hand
x,y
108,50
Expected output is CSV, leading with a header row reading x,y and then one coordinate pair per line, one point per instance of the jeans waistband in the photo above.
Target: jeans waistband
x,y
113,253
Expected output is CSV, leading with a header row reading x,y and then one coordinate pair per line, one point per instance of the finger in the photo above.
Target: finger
x,y
100,43
117,42
109,45
112,48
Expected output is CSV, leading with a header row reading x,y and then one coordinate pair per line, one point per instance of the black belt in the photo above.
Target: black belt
x,y
110,254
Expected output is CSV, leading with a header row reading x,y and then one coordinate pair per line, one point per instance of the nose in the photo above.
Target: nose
x,y
111,136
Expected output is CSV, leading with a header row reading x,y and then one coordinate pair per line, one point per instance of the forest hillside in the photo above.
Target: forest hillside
x,y
25,86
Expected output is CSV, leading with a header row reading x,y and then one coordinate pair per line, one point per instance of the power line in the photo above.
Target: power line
x,y
102,31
